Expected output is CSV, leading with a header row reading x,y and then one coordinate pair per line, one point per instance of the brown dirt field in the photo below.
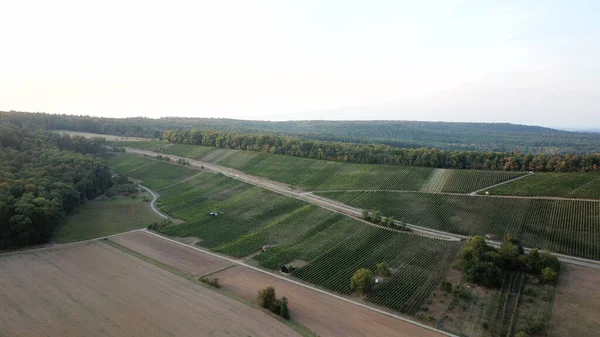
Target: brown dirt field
x,y
96,290
577,302
179,257
325,315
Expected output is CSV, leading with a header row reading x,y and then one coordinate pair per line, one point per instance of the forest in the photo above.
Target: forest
x,y
385,154
480,137
43,177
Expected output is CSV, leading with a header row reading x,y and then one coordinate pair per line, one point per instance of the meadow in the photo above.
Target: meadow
x,y
99,218
563,226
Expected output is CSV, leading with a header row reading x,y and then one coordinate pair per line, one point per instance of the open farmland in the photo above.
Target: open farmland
x,y
111,138
99,218
584,185
577,303
564,226
96,290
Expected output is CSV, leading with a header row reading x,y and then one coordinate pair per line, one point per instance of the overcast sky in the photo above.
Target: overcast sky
x,y
528,62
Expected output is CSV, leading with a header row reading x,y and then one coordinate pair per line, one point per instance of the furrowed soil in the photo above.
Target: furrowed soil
x,y
94,289
179,257
325,315
577,303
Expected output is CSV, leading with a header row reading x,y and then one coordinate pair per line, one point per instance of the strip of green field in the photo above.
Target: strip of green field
x,y
106,217
570,185
155,174
564,226
312,174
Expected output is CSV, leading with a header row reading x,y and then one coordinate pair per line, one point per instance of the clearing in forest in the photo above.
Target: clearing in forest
x,y
103,217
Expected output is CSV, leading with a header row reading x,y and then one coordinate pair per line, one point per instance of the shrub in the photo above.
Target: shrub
x,y
362,280
521,334
549,275
446,286
211,282
530,292
383,270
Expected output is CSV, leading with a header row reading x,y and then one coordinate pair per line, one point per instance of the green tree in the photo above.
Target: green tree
x,y
446,286
365,214
284,311
267,298
376,217
362,281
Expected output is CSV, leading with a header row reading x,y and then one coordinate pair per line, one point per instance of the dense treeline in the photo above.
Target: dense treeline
x,y
43,177
383,154
495,137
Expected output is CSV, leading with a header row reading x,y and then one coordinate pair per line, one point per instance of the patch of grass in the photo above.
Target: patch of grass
x,y
100,218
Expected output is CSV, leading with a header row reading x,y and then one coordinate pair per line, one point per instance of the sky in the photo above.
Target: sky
x,y
526,62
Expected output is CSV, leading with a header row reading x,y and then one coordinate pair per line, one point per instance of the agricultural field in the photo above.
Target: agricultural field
x,y
577,302
114,215
569,227
155,174
334,249
111,138
319,175
94,289
584,185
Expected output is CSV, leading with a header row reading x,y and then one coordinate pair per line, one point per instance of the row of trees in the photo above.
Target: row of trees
x,y
384,154
43,177
483,264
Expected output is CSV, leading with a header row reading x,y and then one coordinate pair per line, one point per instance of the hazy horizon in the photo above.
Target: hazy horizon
x,y
454,61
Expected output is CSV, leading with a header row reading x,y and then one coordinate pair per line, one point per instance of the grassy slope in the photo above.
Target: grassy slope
x,y
570,185
101,218
563,226
312,174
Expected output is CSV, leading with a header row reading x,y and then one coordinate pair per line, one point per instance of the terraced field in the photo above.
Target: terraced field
x,y
569,185
563,226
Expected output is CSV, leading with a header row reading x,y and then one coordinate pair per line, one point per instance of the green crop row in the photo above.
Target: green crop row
x,y
570,185
563,226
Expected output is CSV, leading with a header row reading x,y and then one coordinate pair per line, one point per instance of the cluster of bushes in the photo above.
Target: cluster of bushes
x,y
181,161
483,264
162,224
363,279
376,218
268,300
161,157
213,282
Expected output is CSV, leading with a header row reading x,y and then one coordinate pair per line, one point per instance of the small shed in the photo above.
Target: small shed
x,y
288,268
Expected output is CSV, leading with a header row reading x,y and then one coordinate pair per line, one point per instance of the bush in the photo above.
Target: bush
x,y
211,282
549,275
462,292
383,270
521,334
530,292
446,286
362,280
535,324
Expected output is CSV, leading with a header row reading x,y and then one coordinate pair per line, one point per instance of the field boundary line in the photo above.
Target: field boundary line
x,y
231,265
502,183
401,318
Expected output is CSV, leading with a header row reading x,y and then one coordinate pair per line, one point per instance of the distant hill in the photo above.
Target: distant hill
x,y
406,134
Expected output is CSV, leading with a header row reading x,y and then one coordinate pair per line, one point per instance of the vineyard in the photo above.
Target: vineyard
x,y
313,174
569,185
154,173
563,226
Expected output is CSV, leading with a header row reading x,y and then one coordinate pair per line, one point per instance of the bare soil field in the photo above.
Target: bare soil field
x,y
94,289
577,302
108,137
325,315
179,257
